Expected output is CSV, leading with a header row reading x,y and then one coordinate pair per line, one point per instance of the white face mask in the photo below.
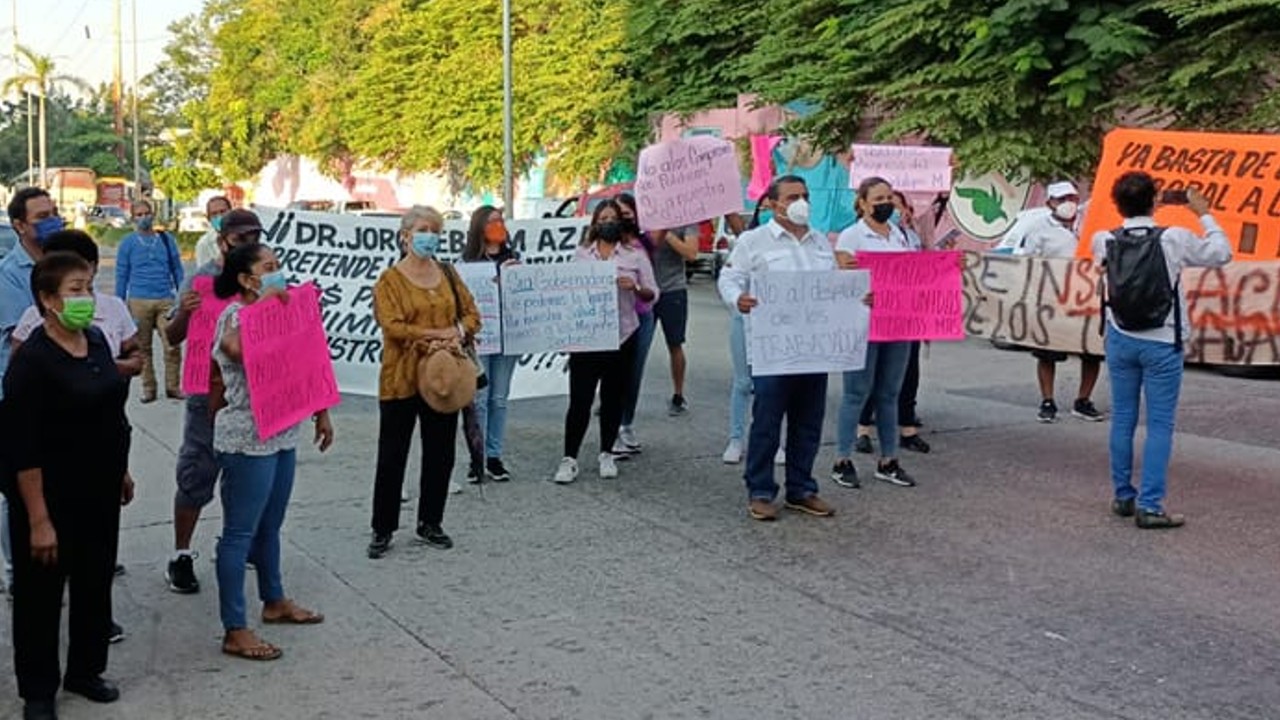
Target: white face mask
x,y
1066,210
798,212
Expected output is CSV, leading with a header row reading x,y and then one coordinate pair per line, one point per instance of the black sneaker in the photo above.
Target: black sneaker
x,y
1158,520
893,474
475,475
914,443
677,406
119,570
497,471
1085,410
434,536
1048,412
863,445
117,633
93,688
182,575
39,710
1123,508
845,475
379,546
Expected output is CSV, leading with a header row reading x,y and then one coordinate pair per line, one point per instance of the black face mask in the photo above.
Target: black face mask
x,y
610,232
881,212
631,227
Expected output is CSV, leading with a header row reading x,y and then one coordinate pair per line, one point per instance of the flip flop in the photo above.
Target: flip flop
x,y
295,616
262,652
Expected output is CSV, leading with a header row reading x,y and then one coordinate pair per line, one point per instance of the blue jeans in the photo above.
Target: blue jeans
x,y
644,340
740,392
7,579
491,401
255,494
881,380
1138,367
802,400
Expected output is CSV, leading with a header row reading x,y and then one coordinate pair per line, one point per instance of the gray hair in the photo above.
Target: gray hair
x,y
420,213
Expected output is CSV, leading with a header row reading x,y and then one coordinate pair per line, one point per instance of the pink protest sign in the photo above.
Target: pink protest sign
x,y
907,168
918,295
683,182
286,360
200,330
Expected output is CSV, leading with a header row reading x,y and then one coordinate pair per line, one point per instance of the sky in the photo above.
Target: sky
x,y
58,28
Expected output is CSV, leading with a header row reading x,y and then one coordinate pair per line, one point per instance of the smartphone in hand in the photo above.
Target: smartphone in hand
x,y
1174,197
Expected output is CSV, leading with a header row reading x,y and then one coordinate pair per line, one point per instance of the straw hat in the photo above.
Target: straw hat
x,y
446,379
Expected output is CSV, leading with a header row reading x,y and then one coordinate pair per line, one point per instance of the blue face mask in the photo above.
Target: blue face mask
x,y
145,223
896,217
274,280
47,227
425,244
216,223
766,216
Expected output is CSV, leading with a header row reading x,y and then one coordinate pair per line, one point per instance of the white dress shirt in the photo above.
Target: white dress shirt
x,y
1045,236
770,247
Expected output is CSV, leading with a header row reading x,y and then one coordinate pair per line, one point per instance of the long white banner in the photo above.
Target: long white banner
x,y
345,254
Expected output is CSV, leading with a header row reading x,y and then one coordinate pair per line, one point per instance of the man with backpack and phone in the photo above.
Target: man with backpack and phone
x,y
1146,326
148,275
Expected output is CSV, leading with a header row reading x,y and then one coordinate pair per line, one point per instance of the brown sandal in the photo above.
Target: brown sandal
x,y
260,650
293,615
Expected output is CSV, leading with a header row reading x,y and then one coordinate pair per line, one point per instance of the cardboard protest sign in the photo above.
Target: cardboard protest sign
x,y
686,181
917,295
908,168
1239,174
286,361
569,307
809,322
481,279
201,328
1233,312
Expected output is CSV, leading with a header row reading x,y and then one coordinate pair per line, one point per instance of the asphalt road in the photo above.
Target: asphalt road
x,y
998,588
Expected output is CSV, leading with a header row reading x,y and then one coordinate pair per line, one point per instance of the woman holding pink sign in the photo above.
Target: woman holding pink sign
x,y
257,474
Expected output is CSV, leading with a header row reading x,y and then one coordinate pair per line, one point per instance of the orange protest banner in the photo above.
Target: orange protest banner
x,y
1239,174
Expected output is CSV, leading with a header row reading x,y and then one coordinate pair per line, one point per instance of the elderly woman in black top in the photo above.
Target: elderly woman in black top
x,y
68,443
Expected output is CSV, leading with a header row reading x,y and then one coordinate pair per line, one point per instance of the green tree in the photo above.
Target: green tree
x,y
39,77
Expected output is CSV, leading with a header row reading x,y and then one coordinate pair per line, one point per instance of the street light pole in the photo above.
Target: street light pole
x,y
137,166
31,134
508,139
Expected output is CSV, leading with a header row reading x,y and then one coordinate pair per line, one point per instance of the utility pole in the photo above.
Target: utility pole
x,y
137,166
116,92
31,134
508,139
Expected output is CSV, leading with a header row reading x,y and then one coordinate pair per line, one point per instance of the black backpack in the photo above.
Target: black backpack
x,y
1137,288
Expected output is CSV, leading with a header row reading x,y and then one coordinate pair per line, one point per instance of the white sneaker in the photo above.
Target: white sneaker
x,y
608,468
621,450
404,495
627,437
780,458
733,453
454,488
567,472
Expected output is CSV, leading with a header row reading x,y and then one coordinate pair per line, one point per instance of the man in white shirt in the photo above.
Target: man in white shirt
x,y
1053,235
784,243
207,249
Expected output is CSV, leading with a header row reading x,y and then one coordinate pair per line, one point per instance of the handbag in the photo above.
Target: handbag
x,y
446,376
468,345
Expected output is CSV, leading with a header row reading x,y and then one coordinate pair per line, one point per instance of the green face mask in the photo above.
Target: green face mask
x,y
77,312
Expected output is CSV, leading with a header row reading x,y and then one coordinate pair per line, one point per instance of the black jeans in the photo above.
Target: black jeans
x,y
438,433
906,398
88,534
609,370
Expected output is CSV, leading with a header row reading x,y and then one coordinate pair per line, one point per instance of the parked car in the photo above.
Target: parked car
x,y
192,219
334,206
8,239
109,215
724,240
585,204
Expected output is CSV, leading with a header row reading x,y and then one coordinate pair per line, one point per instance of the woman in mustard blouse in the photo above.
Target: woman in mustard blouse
x,y
414,302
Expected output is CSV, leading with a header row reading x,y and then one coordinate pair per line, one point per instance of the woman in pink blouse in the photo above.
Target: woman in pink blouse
x,y
608,370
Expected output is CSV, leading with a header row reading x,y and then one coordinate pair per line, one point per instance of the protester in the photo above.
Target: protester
x,y
416,302
785,243
886,364
207,249
1144,341
672,250
607,370
197,468
1053,235
627,442
65,513
489,241
148,273
34,218
257,475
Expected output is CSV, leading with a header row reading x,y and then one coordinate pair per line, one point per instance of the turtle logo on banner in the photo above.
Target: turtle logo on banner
x,y
985,207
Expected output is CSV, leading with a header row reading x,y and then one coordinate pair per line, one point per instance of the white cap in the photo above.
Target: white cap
x,y
1060,190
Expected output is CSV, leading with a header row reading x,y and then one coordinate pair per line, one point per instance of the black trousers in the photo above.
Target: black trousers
x,y
610,371
438,433
88,535
906,397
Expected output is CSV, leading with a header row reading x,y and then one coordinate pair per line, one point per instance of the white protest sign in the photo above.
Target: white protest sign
x,y
482,280
568,307
907,168
683,182
345,254
809,322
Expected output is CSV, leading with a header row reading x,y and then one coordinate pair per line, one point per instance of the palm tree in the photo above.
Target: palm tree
x,y
40,79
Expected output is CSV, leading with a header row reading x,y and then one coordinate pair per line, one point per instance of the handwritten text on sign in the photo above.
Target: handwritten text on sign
x,y
907,168
481,279
200,331
568,308
683,182
917,295
809,322
286,361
